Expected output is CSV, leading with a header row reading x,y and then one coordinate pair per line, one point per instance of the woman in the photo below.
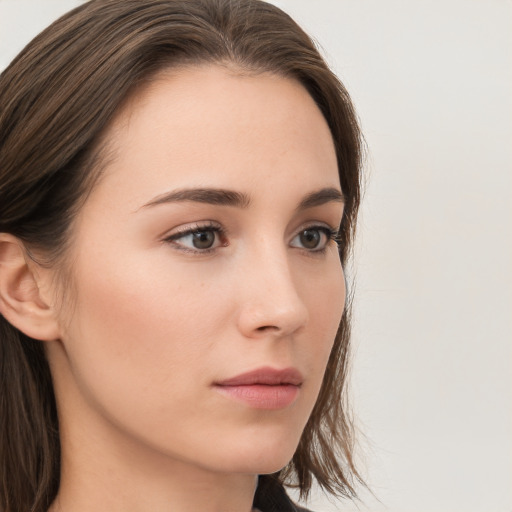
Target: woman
x,y
179,185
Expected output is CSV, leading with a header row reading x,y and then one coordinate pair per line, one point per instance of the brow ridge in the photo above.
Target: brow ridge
x,y
213,196
224,197
320,197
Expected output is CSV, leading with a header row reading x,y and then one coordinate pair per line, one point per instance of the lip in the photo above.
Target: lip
x,y
267,376
263,388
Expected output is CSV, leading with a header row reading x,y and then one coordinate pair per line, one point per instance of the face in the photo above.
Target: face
x,y
208,284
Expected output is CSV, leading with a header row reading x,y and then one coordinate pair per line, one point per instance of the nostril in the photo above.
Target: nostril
x,y
267,327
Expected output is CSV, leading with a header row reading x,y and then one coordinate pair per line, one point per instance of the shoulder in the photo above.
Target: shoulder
x,y
271,497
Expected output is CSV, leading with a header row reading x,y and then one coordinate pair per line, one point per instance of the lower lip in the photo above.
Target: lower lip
x,y
260,396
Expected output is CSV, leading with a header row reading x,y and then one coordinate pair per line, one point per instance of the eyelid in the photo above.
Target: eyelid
x,y
189,229
172,238
331,233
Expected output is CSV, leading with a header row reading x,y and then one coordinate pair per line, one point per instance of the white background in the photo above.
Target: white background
x,y
432,377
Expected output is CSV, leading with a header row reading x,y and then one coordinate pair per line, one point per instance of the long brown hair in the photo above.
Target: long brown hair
x,y
56,100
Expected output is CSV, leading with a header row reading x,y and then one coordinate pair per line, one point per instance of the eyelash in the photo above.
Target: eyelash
x,y
330,233
196,228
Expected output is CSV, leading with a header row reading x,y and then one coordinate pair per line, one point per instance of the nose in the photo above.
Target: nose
x,y
270,301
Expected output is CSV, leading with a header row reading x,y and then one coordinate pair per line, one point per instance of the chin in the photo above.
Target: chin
x,y
262,466
272,466
263,456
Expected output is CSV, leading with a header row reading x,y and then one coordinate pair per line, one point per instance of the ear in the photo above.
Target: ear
x,y
21,303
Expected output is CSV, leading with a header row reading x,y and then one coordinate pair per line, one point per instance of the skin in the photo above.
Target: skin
x,y
156,322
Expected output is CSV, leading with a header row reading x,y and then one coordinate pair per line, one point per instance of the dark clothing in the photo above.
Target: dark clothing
x,y
271,497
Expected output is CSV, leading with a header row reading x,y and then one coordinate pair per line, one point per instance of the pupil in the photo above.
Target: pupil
x,y
203,239
310,238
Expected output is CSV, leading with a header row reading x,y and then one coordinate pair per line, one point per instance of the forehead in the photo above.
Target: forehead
x,y
213,126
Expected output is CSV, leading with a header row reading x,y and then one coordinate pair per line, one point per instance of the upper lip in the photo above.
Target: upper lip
x,y
267,376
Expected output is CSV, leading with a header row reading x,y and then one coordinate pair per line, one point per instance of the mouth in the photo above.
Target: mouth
x,y
263,388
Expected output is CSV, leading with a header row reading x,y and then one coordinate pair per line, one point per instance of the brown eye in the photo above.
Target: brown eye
x,y
314,238
198,239
203,239
310,238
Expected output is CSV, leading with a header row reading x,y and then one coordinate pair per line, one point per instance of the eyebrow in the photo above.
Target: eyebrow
x,y
232,198
203,195
320,197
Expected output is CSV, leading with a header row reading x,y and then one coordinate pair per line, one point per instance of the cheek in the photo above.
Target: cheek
x,y
325,298
325,301
139,332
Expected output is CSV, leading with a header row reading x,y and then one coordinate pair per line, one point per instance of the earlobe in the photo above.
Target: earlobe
x,y
21,303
